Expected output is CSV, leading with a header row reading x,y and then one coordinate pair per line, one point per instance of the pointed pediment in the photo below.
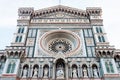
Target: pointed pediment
x,y
60,11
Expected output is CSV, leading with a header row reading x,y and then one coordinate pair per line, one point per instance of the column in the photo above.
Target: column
x,y
30,71
66,68
91,71
99,73
39,72
49,72
21,71
78,72
53,76
70,72
81,72
88,70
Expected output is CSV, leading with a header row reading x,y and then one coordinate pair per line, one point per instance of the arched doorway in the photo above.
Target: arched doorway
x,y
60,69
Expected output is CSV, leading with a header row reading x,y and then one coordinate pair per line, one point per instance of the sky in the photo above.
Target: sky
x,y
9,15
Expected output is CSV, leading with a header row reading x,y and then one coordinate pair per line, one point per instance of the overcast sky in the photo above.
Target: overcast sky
x,y
9,8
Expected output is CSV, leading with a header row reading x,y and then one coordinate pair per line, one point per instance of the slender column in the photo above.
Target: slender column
x,y
71,72
53,76
21,70
88,70
91,71
66,68
99,73
31,74
49,71
41,72
81,72
78,71
38,72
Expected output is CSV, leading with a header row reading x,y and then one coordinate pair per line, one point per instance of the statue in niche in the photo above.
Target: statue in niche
x,y
74,73
60,72
85,72
45,72
95,72
25,71
35,73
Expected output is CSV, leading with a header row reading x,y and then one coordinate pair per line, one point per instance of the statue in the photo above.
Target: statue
x,y
25,73
46,72
74,73
95,72
35,73
85,72
60,72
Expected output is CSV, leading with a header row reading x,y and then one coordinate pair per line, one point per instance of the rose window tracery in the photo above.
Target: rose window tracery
x,y
60,41
60,46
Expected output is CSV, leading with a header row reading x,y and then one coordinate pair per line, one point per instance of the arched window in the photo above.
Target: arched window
x,y
22,30
107,67
103,39
100,29
99,38
11,67
19,30
97,30
111,67
17,39
20,39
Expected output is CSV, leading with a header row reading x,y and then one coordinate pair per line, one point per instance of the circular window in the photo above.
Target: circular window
x,y
60,46
60,41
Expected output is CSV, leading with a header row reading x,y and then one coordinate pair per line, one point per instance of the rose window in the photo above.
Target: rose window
x,y
60,46
60,41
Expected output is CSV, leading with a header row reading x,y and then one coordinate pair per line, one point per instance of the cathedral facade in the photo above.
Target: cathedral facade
x,y
60,43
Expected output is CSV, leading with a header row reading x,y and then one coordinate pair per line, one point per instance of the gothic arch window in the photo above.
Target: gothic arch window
x,y
18,39
99,38
20,30
11,67
100,29
103,39
111,67
97,30
107,66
